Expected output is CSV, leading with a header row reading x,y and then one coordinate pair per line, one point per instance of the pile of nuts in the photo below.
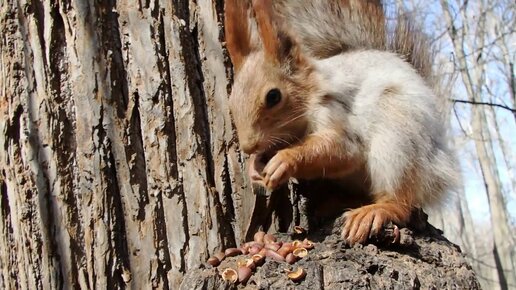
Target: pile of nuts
x,y
262,247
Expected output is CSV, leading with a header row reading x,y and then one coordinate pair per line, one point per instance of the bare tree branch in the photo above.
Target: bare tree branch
x,y
484,104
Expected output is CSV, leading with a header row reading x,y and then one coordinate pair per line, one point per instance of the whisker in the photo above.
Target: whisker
x,y
283,139
294,118
290,136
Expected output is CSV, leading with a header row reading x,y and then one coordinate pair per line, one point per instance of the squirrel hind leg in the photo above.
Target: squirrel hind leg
x,y
367,221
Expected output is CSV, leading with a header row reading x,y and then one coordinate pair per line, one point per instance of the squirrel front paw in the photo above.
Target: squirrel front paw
x,y
363,223
279,169
367,221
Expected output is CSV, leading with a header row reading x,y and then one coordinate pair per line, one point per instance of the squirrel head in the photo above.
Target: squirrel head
x,y
273,80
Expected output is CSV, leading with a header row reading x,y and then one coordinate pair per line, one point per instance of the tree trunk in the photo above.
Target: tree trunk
x,y
120,165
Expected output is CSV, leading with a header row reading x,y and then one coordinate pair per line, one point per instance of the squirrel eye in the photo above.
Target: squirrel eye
x,y
273,98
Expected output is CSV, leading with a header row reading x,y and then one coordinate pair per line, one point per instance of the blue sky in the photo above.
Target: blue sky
x,y
494,90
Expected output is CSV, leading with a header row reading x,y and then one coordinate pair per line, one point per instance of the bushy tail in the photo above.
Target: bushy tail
x,y
412,44
407,40
326,28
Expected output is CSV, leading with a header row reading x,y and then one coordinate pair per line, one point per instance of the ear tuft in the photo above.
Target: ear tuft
x,y
238,37
279,45
268,33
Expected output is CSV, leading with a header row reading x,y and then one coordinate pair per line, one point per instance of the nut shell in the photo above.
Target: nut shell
x,y
300,252
297,275
299,230
258,259
273,255
241,262
285,249
256,244
290,258
254,250
246,262
263,252
230,275
287,244
268,238
220,256
251,264
272,246
307,244
245,249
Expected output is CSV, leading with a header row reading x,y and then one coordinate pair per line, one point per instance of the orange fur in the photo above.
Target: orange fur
x,y
238,37
316,156
268,33
279,45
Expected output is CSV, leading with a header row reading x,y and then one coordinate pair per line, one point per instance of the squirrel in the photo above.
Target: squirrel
x,y
323,90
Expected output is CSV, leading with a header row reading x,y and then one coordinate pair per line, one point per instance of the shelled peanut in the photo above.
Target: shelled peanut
x,y
264,246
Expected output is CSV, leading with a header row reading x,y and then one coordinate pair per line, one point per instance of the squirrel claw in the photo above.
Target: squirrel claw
x,y
363,223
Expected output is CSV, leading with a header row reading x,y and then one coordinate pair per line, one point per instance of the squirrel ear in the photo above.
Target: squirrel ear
x,y
268,34
279,45
238,37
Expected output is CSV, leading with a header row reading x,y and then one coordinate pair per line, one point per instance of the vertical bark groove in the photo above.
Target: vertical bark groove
x,y
161,245
112,44
37,8
227,231
11,280
169,127
118,260
134,153
189,42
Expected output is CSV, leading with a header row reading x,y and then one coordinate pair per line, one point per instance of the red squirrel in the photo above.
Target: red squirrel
x,y
322,90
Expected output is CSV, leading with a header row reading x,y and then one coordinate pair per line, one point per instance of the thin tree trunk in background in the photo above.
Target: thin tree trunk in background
x,y
120,165
507,154
473,78
510,66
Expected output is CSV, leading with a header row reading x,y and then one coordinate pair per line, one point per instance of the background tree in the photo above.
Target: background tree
x,y
475,48
476,45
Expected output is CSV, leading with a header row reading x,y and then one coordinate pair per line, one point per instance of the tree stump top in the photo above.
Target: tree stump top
x,y
420,259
